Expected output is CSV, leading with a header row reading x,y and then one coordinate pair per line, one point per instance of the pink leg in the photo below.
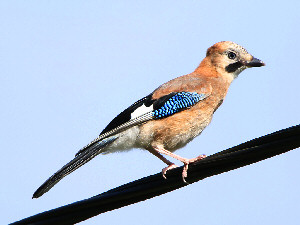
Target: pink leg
x,y
185,161
169,163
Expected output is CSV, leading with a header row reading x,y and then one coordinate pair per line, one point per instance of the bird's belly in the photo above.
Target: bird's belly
x,y
172,133
183,136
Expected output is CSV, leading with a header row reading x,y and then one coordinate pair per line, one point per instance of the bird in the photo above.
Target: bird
x,y
169,117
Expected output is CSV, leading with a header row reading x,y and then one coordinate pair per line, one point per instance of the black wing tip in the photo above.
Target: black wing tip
x,y
125,116
84,148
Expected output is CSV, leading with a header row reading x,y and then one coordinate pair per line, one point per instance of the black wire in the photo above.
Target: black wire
x,y
241,155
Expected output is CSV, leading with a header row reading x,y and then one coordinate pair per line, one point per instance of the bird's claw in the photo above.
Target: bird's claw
x,y
164,171
186,166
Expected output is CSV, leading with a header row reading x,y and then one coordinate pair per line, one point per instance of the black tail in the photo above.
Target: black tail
x,y
85,156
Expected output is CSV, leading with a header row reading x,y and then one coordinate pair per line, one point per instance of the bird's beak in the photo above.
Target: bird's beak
x,y
254,63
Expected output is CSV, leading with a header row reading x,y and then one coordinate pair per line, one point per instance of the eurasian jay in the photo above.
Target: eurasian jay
x,y
171,116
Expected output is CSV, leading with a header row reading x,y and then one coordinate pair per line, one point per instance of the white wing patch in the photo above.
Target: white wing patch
x,y
141,110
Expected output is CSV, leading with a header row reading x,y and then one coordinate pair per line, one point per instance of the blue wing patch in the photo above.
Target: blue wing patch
x,y
178,102
162,107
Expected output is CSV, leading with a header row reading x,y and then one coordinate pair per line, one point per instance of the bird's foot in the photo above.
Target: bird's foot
x,y
186,166
169,167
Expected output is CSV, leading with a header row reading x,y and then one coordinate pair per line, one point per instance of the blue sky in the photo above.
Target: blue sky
x,y
69,67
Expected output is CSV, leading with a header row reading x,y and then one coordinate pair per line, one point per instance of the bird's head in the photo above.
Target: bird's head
x,y
230,58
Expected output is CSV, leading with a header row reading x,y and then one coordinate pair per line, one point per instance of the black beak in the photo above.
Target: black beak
x,y
254,63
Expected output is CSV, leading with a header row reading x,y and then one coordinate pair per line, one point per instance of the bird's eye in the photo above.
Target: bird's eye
x,y
231,55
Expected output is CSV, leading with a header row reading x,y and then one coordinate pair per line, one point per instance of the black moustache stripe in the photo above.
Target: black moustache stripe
x,y
233,67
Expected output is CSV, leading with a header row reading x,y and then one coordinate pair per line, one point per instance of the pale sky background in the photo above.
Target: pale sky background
x,y
69,67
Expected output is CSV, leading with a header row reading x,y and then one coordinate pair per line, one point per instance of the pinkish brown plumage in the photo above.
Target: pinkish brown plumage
x,y
171,116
